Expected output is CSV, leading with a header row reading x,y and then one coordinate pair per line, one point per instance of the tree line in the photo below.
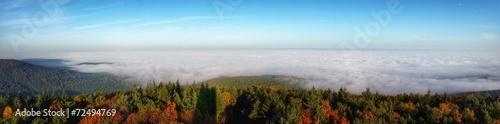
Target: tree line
x,y
170,102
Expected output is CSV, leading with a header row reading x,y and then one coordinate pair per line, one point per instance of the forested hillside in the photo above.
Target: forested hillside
x,y
172,103
270,81
18,77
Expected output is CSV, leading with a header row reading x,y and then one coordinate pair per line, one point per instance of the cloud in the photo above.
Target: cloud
x,y
57,19
101,7
486,26
12,23
12,19
490,36
185,19
15,4
388,72
105,24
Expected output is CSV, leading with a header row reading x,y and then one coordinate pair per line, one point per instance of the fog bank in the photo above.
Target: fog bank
x,y
388,72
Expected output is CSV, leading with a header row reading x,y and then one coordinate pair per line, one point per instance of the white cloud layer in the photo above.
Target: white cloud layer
x,y
387,72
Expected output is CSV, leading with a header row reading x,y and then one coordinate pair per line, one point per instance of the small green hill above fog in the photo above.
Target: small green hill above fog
x,y
17,77
271,81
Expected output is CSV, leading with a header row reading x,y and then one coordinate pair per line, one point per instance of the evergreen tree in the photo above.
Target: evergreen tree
x,y
292,112
219,102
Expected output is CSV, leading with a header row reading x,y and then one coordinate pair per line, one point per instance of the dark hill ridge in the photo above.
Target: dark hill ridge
x,y
7,63
59,63
24,78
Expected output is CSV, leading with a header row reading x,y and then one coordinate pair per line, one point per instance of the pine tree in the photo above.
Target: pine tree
x,y
219,103
17,103
255,113
177,98
163,94
64,96
292,112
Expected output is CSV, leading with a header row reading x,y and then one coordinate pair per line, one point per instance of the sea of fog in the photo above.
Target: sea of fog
x,y
388,72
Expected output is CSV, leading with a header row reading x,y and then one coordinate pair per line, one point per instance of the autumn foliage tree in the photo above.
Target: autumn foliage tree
x,y
306,116
7,112
261,102
170,114
330,114
95,119
56,105
469,116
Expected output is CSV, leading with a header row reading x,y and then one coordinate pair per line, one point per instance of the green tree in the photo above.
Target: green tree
x,y
219,102
292,112
176,98
256,112
39,120
189,97
163,93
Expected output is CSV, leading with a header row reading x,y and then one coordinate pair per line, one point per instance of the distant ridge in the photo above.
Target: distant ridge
x,y
8,62
271,81
59,63
17,77
490,93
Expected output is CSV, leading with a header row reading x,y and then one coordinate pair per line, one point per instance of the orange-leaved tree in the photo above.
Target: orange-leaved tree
x,y
7,112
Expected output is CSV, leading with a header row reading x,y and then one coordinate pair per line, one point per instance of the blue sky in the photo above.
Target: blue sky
x,y
91,25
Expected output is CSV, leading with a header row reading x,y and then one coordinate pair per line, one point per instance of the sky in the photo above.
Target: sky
x,y
33,26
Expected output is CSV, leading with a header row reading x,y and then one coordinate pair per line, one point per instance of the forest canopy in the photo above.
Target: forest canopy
x,y
170,102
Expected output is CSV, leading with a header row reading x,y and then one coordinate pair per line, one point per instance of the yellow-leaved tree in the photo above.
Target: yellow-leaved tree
x,y
7,112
